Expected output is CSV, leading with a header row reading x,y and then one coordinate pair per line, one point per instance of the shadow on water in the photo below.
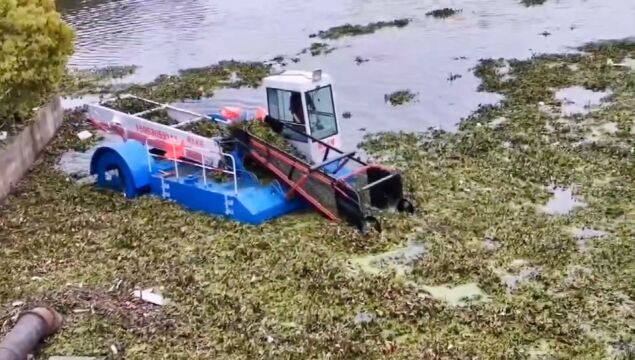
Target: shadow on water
x,y
162,36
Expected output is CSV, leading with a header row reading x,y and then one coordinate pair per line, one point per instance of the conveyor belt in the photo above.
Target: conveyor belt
x,y
337,198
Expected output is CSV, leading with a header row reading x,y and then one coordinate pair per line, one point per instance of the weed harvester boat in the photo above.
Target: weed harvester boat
x,y
209,174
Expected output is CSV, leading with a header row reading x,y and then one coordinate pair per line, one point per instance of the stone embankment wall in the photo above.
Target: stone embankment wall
x,y
19,152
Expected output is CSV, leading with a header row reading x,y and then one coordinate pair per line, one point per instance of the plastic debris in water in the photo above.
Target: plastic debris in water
x,y
84,135
149,295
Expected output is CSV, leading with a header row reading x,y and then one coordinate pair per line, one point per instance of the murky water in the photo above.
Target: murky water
x,y
584,235
578,100
163,36
515,274
76,164
460,295
562,202
400,260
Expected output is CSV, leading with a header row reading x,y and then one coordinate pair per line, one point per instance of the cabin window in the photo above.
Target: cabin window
x,y
321,110
287,106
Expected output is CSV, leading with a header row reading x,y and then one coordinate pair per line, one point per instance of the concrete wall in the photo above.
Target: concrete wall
x,y
19,152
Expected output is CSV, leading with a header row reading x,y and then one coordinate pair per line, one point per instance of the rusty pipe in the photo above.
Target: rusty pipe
x,y
32,326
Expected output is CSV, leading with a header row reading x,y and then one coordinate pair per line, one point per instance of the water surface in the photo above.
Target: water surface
x,y
162,36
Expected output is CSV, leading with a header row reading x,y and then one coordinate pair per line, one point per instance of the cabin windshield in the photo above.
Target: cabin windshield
x,y
287,106
321,111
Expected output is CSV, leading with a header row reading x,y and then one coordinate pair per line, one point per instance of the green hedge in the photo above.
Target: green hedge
x,y
35,45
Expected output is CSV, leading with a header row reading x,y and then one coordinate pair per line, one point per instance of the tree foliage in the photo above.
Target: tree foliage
x,y
35,45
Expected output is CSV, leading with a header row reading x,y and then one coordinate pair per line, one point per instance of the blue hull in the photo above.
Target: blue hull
x,y
126,167
253,204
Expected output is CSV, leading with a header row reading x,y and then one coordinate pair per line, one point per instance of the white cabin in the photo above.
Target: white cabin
x,y
305,101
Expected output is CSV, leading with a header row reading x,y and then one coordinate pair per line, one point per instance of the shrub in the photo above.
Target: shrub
x,y
35,45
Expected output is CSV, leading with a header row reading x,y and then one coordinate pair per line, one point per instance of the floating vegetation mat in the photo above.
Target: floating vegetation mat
x,y
443,13
194,83
129,105
197,83
400,97
318,48
337,32
533,2
479,272
93,81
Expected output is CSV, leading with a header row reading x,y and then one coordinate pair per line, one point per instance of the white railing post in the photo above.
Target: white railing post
x,y
233,172
149,156
176,163
204,167
205,154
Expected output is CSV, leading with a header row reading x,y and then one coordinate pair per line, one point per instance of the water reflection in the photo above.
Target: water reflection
x,y
137,31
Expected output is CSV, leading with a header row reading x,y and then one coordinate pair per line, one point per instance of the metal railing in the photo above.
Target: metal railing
x,y
198,159
162,106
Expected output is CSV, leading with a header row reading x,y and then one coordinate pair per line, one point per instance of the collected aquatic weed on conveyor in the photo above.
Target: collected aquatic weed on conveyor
x,y
130,105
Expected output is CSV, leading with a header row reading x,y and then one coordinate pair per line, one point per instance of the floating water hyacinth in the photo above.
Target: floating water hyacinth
x,y
337,32
282,290
443,13
400,97
533,2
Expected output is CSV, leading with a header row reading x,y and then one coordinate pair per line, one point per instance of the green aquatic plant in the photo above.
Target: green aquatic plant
x,y
360,60
443,13
494,276
130,105
197,83
337,32
400,97
533,2
318,48
193,83
78,82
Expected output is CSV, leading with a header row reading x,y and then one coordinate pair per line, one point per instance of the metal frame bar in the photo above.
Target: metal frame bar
x,y
191,121
347,156
377,182
314,139
161,106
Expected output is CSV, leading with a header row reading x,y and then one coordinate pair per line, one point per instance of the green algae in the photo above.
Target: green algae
x,y
161,116
204,128
337,32
280,290
360,60
111,72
